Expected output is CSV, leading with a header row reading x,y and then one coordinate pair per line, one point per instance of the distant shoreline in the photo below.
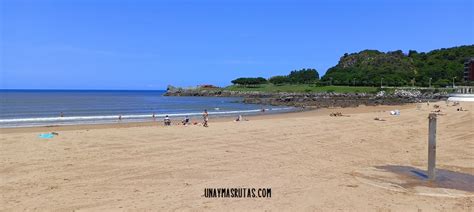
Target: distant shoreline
x,y
176,121
130,119
213,119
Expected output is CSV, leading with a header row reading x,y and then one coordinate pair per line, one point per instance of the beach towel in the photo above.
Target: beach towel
x,y
46,135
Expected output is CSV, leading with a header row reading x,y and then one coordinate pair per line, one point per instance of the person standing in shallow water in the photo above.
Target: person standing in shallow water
x,y
205,116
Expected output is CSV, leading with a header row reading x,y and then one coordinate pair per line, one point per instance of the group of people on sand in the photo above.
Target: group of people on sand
x,y
205,117
186,120
167,120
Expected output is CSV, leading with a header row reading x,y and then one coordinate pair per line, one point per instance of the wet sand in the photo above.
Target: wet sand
x,y
306,158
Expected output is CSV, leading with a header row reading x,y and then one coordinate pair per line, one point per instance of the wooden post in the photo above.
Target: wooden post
x,y
432,147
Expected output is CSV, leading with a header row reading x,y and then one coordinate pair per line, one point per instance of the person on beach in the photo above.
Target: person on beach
x,y
185,121
167,121
61,114
205,116
120,117
239,118
153,116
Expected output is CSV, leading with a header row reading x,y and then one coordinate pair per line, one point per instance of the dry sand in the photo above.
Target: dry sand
x,y
308,159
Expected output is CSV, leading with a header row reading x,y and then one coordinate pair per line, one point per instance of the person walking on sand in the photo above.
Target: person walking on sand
x,y
167,121
205,116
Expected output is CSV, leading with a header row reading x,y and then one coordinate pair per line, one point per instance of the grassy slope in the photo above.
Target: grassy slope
x,y
303,88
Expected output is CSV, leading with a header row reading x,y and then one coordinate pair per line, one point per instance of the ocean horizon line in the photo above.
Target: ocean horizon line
x,y
123,90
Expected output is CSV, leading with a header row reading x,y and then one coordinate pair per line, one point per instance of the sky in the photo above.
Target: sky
x,y
146,44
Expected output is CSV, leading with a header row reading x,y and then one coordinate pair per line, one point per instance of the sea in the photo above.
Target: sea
x,y
28,108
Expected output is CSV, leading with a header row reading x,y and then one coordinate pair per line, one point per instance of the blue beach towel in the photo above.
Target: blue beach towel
x,y
46,135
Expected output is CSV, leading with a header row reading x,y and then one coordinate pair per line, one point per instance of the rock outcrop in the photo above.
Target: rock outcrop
x,y
317,99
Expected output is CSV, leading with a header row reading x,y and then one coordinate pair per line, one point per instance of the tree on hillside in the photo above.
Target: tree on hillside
x,y
304,76
249,81
278,80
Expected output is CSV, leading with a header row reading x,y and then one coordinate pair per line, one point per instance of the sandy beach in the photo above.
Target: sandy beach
x,y
310,160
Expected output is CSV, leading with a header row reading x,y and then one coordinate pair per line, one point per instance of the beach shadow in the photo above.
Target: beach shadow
x,y
444,178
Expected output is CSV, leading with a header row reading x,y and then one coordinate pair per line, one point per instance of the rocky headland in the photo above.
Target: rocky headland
x,y
319,100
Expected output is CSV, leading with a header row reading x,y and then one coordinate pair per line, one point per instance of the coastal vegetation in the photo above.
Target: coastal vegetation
x,y
303,88
249,81
365,70
368,71
374,68
303,76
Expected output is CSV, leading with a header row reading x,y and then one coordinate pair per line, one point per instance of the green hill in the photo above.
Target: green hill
x,y
397,69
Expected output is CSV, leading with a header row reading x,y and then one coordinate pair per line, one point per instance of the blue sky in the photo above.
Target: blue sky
x,y
145,44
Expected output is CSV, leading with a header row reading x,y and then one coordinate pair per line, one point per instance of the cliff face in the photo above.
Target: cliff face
x,y
374,60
